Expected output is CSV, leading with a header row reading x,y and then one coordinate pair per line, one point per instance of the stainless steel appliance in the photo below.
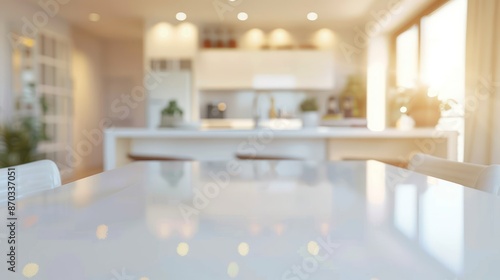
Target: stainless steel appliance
x,y
216,111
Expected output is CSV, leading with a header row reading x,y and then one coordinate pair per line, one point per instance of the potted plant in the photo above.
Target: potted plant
x,y
426,109
310,115
19,142
171,115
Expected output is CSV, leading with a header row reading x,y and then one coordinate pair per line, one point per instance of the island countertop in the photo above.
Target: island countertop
x,y
122,145
317,132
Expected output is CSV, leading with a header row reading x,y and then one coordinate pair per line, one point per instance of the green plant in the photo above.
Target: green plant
x,y
19,142
172,109
309,105
45,108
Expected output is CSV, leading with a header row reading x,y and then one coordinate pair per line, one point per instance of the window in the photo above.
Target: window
x,y
430,51
407,58
443,50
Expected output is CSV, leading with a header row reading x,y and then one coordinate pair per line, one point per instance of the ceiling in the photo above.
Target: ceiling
x,y
125,18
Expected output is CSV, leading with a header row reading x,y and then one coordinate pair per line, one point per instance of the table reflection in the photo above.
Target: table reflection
x,y
431,216
255,220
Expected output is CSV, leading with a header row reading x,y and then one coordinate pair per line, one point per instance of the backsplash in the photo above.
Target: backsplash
x,y
239,104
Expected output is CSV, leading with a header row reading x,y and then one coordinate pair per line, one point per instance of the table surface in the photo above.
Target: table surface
x,y
257,220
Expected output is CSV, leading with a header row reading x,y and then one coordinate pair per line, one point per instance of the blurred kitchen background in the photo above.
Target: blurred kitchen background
x,y
71,68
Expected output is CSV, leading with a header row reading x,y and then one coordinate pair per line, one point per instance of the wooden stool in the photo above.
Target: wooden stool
x,y
256,157
160,158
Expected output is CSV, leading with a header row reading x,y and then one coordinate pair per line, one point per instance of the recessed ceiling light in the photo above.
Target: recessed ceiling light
x,y
312,16
242,16
94,17
180,16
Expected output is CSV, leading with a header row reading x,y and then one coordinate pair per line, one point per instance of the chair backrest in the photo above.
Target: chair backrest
x,y
489,179
31,177
466,174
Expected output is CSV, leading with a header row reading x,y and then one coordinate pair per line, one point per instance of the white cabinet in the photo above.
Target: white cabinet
x,y
314,70
224,69
236,69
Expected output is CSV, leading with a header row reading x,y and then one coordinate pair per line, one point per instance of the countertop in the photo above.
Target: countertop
x,y
317,132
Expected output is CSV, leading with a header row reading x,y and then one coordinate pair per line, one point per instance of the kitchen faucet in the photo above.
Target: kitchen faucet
x,y
257,115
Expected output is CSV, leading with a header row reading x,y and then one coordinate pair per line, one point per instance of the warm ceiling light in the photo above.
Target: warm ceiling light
x,y
94,17
242,16
312,16
180,16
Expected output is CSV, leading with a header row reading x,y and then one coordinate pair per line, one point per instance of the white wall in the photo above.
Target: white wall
x,y
88,97
122,71
103,72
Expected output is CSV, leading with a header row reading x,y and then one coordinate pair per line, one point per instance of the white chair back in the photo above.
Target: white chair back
x,y
30,178
466,174
489,179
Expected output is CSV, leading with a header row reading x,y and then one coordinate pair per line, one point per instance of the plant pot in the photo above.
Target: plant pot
x,y
170,121
424,110
310,119
425,117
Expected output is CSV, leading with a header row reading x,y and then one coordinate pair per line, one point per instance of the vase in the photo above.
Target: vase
x,y
425,110
426,117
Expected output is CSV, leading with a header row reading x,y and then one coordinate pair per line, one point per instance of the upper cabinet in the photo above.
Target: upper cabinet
x,y
265,70
224,69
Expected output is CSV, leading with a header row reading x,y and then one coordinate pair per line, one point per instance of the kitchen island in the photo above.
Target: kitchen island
x,y
321,143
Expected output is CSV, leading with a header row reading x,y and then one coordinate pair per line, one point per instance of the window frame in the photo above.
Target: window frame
x,y
414,21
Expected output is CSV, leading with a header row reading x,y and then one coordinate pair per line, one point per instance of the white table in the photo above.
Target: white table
x,y
261,220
